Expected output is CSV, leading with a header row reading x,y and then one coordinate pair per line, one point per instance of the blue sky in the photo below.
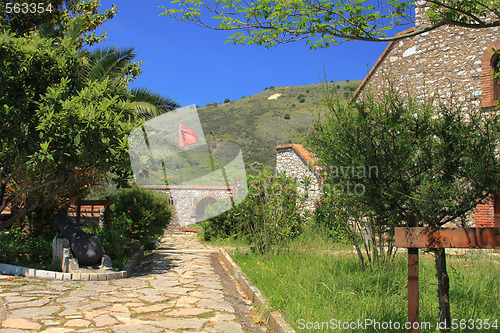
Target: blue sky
x,y
194,65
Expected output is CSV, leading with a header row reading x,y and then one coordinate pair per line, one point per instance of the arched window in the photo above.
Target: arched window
x,y
496,81
490,84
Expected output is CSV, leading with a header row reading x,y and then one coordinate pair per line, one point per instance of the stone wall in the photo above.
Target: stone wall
x,y
452,63
186,200
295,161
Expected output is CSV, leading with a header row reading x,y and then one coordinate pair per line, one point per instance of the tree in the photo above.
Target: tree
x,y
328,23
66,116
429,163
54,23
24,24
59,133
116,64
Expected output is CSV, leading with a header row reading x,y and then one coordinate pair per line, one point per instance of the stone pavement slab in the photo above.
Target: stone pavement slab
x,y
179,287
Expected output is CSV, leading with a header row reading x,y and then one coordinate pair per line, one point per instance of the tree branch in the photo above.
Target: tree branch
x,y
34,206
17,194
469,14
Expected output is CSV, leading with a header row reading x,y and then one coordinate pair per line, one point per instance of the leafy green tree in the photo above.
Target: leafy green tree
x,y
434,163
328,23
54,23
57,131
66,114
116,64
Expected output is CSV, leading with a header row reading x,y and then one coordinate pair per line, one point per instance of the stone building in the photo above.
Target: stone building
x,y
296,161
455,64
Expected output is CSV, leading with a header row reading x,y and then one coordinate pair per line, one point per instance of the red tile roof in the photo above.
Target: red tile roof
x,y
304,153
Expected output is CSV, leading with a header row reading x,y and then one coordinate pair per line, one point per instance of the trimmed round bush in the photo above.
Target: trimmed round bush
x,y
140,214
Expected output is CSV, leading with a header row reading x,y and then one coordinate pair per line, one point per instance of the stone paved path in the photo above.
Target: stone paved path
x,y
180,287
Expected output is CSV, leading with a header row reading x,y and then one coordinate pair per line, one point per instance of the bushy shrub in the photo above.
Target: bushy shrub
x,y
225,225
269,216
328,221
19,247
140,214
287,116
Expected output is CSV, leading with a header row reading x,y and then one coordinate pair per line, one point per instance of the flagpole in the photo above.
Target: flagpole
x,y
179,161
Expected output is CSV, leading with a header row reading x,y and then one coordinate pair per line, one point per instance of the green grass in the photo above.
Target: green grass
x,y
317,286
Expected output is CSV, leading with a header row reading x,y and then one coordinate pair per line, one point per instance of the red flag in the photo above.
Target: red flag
x,y
187,136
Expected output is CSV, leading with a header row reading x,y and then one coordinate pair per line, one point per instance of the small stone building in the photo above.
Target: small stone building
x,y
295,161
455,64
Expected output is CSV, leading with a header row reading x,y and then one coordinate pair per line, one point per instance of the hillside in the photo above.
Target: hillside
x,y
258,124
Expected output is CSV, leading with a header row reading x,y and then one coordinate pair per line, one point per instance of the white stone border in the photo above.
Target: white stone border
x,y
275,321
40,273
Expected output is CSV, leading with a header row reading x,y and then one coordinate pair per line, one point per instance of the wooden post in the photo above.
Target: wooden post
x,y
497,209
413,289
413,283
78,212
414,238
107,213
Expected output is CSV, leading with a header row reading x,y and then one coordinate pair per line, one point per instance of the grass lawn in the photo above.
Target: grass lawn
x,y
308,284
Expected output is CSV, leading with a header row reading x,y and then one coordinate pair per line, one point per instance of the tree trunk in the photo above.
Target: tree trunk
x,y
443,289
352,236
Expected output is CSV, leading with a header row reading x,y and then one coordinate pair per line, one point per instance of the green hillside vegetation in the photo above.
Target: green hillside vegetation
x,y
258,124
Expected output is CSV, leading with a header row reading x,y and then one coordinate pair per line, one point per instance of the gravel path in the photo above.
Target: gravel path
x,y
181,286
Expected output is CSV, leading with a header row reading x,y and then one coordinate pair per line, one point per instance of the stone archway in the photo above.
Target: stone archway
x,y
201,206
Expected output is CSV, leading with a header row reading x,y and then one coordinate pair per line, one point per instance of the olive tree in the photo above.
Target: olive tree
x,y
434,163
